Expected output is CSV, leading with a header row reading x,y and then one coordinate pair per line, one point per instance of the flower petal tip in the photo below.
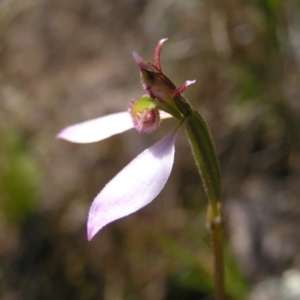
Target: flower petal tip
x,y
67,134
189,82
57,136
61,135
137,58
90,234
161,41
92,228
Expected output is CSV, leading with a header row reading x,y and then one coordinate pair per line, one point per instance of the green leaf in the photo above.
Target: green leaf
x,y
205,156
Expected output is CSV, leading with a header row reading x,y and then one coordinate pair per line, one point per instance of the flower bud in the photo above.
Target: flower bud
x,y
159,86
154,82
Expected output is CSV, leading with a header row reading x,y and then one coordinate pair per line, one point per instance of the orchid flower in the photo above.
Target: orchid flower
x,y
145,176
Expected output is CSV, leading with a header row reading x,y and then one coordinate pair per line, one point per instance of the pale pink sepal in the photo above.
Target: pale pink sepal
x,y
97,129
183,87
134,187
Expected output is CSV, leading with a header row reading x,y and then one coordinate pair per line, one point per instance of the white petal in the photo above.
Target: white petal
x,y
135,186
97,129
164,115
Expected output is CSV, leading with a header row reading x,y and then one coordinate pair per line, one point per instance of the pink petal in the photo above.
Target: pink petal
x,y
97,129
135,186
183,87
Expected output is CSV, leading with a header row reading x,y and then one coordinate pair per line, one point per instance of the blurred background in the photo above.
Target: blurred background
x,y
66,61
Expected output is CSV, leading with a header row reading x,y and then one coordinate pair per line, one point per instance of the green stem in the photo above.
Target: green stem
x,y
216,228
207,162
